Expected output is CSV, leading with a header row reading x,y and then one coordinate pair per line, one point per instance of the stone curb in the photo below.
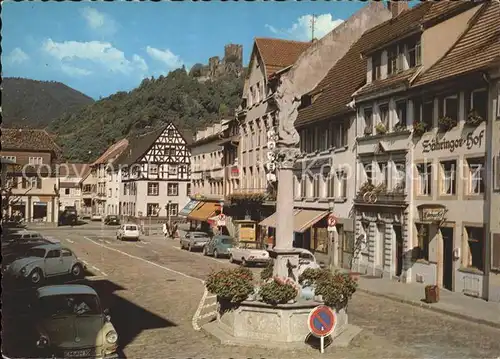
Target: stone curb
x,y
428,306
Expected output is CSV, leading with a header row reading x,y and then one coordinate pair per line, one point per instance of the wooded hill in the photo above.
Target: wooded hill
x,y
34,104
177,97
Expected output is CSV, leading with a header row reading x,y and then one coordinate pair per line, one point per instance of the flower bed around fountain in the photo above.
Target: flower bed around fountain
x,y
276,311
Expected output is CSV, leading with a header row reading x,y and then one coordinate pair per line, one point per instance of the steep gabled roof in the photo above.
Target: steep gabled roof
x,y
349,73
112,152
29,140
138,146
478,48
276,54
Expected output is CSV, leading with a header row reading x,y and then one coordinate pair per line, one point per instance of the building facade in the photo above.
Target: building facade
x,y
100,175
424,159
155,174
70,178
32,187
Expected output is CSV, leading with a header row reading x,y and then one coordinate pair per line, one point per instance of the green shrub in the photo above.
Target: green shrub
x,y
278,291
234,285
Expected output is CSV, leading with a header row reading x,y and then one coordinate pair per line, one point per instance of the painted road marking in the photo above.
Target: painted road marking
x,y
145,261
155,251
145,242
108,242
70,241
138,245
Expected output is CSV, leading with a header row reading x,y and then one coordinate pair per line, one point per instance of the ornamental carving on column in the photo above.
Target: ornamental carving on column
x,y
287,105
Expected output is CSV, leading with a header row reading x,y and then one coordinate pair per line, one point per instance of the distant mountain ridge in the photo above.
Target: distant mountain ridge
x,y
35,104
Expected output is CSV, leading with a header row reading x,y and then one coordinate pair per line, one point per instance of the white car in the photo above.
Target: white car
x,y
307,260
128,231
248,253
47,260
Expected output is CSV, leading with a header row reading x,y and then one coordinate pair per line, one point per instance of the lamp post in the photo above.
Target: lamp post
x,y
167,208
221,204
332,253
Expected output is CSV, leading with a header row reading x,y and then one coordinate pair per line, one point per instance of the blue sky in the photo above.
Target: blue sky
x,y
100,48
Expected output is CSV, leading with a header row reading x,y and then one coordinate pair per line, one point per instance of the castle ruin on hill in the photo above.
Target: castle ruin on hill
x,y
231,64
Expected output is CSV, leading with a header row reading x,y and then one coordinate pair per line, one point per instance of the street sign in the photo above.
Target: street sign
x,y
332,220
321,322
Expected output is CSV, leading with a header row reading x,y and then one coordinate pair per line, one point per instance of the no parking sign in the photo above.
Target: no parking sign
x,y
321,322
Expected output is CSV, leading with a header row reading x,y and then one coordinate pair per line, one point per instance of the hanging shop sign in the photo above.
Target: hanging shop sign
x,y
432,213
469,141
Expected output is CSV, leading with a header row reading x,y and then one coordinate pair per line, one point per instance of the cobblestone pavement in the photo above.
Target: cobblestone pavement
x,y
153,289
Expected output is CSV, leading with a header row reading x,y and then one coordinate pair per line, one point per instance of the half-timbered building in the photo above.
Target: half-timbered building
x,y
155,174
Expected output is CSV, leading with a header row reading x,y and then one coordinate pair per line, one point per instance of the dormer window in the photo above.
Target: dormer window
x,y
393,60
376,66
414,53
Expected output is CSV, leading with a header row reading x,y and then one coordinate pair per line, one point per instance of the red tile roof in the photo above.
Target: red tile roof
x,y
29,140
388,83
349,73
477,49
112,152
278,54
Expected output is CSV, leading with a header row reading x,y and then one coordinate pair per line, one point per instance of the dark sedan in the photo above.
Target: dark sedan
x,y
112,220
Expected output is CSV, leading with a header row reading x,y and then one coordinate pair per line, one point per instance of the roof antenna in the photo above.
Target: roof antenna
x,y
313,22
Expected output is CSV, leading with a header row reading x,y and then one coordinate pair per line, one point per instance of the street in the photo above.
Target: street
x,y
153,290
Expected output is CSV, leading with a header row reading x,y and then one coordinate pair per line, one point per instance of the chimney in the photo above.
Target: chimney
x,y
396,7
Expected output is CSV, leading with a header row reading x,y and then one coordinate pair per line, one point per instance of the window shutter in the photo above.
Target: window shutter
x,y
495,246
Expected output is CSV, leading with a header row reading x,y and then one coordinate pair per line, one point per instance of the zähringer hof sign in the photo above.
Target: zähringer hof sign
x,y
468,141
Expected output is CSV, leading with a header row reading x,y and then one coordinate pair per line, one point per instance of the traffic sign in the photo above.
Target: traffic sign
x,y
221,220
332,220
322,321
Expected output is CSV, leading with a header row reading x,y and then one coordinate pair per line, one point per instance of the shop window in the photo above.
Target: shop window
x,y
320,239
476,176
449,177
475,256
423,236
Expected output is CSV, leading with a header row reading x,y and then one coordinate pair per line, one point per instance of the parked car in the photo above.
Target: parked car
x,y
96,217
307,260
128,231
248,252
194,241
112,220
69,216
20,242
45,261
70,323
218,246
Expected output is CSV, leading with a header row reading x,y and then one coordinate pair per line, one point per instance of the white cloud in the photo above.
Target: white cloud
x,y
17,56
75,71
166,56
99,21
97,52
302,30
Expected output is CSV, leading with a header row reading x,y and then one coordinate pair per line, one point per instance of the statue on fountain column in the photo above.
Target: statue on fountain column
x,y
288,137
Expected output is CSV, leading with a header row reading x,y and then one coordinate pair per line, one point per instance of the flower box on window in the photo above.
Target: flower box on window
x,y
381,129
419,128
473,118
447,123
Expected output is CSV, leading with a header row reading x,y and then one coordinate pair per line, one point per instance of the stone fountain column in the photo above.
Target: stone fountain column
x,y
286,258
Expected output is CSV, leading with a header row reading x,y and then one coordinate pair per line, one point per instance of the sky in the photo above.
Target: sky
x,y
100,48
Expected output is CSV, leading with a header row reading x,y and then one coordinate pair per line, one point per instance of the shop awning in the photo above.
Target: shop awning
x,y
306,219
204,211
273,219
188,208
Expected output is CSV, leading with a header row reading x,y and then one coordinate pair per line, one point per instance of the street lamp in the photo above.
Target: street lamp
x,y
332,253
221,204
